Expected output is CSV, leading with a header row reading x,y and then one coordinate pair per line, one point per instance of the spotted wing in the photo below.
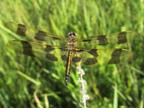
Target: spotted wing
x,y
104,49
35,43
22,32
117,40
101,56
39,49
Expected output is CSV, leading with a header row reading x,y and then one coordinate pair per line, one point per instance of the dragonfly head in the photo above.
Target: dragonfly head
x,y
71,34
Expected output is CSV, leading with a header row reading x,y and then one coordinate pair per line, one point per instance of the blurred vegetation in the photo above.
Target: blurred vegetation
x,y
23,80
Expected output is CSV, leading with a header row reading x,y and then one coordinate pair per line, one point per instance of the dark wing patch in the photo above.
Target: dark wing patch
x,y
89,57
64,57
40,35
90,61
86,40
49,48
93,52
27,48
21,30
51,57
122,38
102,40
93,59
76,59
115,56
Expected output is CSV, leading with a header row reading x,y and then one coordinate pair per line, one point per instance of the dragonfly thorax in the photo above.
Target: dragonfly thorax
x,y
71,41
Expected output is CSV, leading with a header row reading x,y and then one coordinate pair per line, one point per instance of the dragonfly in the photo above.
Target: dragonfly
x,y
101,49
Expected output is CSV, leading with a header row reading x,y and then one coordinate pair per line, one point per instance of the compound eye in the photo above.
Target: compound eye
x,y
72,34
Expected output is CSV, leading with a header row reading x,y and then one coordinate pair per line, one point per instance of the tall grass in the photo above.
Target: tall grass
x,y
24,79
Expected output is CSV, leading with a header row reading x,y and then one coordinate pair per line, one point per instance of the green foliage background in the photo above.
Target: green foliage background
x,y
21,77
